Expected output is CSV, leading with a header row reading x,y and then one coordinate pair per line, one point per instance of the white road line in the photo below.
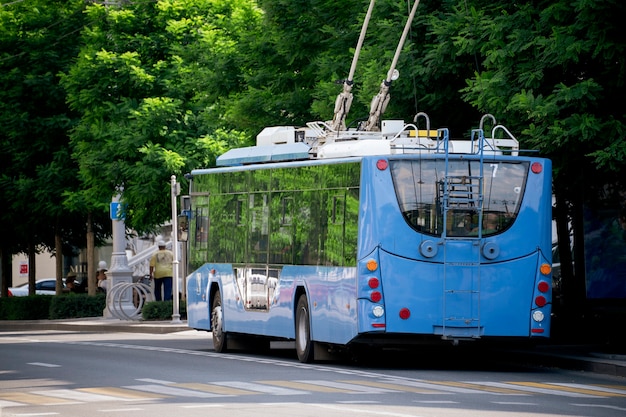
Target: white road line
x,y
172,391
46,365
435,387
117,410
538,390
8,404
512,403
155,381
435,402
593,388
357,389
78,396
272,390
361,411
203,406
611,407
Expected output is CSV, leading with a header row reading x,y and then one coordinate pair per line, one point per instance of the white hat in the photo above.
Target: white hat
x,y
161,243
102,266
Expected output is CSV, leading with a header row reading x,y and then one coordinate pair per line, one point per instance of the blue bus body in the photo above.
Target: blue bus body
x,y
413,276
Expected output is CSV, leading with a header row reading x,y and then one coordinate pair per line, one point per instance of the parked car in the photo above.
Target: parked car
x,y
45,286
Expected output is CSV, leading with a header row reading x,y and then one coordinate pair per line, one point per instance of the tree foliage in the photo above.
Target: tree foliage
x,y
151,89
37,40
145,83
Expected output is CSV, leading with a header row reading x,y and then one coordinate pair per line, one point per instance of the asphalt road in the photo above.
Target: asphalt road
x,y
78,373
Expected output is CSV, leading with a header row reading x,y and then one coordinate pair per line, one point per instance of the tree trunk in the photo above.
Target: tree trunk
x,y
6,271
32,270
58,258
92,285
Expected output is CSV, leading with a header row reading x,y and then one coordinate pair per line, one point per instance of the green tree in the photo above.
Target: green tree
x,y
37,40
554,71
145,84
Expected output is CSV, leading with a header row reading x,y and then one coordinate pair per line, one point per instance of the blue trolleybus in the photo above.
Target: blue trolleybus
x,y
338,238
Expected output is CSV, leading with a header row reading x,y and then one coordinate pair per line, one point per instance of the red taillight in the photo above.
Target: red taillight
x,y
405,313
536,330
536,168
543,286
373,282
10,294
540,301
382,164
376,296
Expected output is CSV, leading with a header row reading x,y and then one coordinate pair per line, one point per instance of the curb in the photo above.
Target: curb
x,y
96,325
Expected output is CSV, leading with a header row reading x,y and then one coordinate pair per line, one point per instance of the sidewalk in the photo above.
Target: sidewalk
x,y
587,358
96,324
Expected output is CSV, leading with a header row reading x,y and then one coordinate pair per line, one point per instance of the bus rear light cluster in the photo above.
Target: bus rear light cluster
x,y
382,164
540,301
375,294
543,287
538,316
536,168
371,265
374,283
545,269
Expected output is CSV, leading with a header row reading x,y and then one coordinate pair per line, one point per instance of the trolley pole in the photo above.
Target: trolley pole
x,y
175,289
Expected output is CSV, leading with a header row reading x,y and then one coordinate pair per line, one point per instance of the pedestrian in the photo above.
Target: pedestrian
x,y
70,282
101,277
161,270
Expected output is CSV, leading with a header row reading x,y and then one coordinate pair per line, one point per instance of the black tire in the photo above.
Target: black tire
x,y
217,324
304,346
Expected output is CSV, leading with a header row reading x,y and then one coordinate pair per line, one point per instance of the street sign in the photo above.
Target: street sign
x,y
23,268
118,211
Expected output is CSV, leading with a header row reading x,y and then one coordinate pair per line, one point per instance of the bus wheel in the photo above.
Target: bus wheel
x,y
304,347
217,324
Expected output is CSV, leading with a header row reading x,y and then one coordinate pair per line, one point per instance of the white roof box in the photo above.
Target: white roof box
x,y
276,135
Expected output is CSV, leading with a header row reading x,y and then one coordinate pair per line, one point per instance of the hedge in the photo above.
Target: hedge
x,y
45,307
51,307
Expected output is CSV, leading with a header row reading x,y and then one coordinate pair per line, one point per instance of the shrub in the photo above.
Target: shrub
x,y
32,307
162,310
76,306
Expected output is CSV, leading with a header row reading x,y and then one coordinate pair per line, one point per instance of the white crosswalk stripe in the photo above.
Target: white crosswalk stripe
x,y
172,391
540,390
250,386
157,390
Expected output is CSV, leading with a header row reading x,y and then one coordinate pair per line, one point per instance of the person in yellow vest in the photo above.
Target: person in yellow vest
x,y
161,271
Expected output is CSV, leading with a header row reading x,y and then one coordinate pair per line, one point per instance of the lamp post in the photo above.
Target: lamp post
x,y
175,290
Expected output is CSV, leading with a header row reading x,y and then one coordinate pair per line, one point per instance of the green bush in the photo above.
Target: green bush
x,y
77,306
32,307
162,310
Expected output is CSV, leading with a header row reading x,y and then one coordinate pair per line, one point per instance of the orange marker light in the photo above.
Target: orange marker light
x,y
372,265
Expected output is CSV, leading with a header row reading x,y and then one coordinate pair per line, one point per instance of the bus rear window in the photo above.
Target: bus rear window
x,y
420,187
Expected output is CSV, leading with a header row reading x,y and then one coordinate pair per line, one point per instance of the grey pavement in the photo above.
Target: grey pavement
x,y
582,357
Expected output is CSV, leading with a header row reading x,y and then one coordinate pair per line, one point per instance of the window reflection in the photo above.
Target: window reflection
x,y
298,215
419,186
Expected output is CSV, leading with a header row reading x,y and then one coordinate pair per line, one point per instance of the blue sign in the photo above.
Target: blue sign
x,y
118,211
